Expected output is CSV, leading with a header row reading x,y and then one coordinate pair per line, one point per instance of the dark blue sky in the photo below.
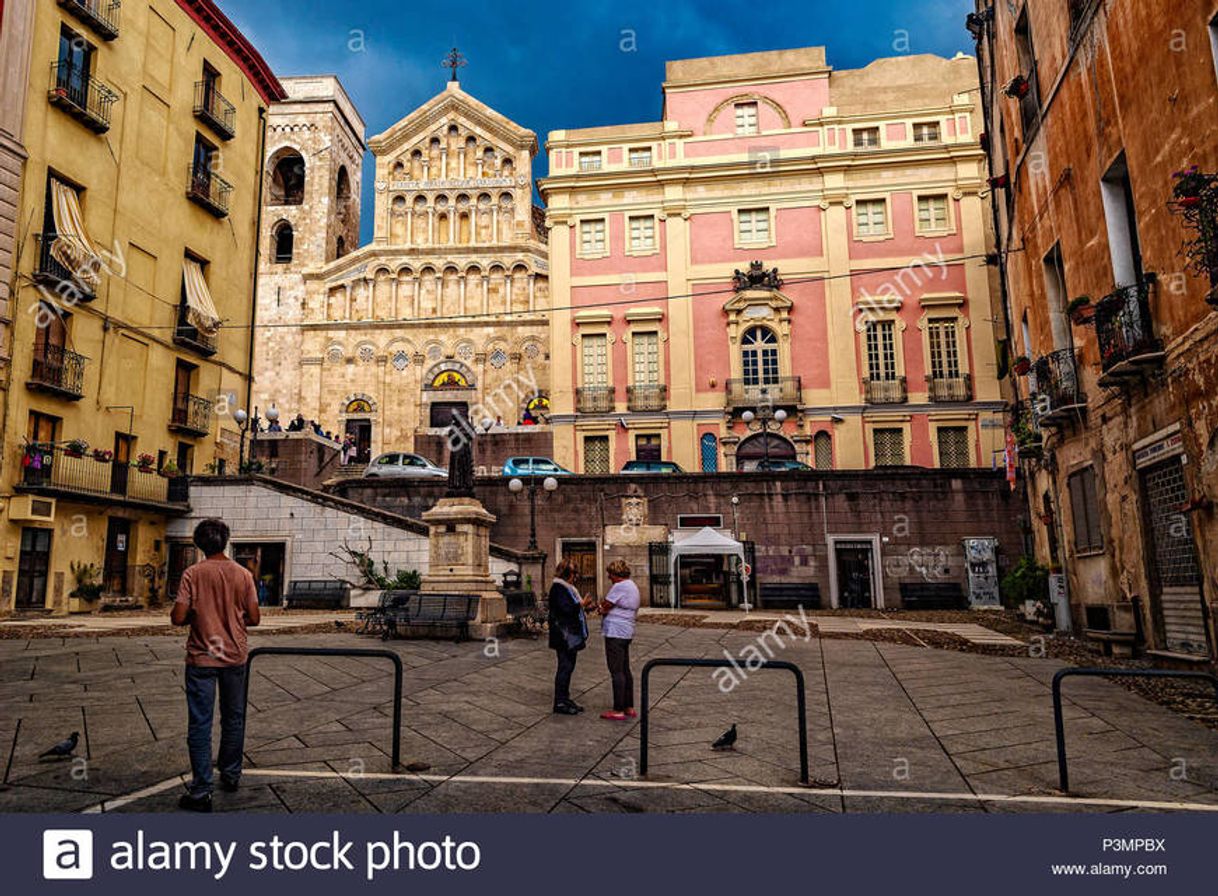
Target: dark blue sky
x,y
547,67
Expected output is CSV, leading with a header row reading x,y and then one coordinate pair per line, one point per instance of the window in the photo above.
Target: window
x,y
941,334
753,225
592,237
75,66
1029,101
1055,293
746,118
596,359
926,132
284,242
871,217
42,429
288,180
881,350
596,454
866,138
203,165
709,450
888,447
759,357
932,213
642,233
640,157
1214,41
646,358
648,448
589,161
1085,511
822,449
954,453
342,185
1123,243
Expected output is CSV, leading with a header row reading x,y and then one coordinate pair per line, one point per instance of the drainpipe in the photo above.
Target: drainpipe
x,y
249,375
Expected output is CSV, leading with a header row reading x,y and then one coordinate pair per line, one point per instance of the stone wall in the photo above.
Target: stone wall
x,y
493,448
918,516
298,458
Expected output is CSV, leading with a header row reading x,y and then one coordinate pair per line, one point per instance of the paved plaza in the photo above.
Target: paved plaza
x,y
891,728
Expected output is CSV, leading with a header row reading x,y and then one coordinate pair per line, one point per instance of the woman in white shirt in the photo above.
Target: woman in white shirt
x,y
619,607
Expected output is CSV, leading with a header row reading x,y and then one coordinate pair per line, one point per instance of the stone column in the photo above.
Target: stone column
x,y
486,294
461,306
532,291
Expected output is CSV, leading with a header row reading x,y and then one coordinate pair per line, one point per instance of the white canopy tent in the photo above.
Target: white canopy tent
x,y
706,541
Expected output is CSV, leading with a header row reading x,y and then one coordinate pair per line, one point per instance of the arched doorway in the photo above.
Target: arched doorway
x,y
358,414
763,446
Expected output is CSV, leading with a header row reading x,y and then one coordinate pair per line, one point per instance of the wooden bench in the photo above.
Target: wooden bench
x,y
317,594
372,622
933,596
446,612
790,595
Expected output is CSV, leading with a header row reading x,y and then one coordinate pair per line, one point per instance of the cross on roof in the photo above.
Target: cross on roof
x,y
454,60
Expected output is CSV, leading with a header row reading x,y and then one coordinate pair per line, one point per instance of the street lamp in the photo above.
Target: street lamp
x,y
516,486
246,424
764,418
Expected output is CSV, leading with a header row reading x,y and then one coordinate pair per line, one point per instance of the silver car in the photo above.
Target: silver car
x,y
399,463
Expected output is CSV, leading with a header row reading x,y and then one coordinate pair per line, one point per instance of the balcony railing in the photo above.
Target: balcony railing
x,y
191,414
213,109
890,391
745,394
594,399
1056,392
209,190
83,97
55,470
950,388
191,337
61,280
100,15
1123,327
647,397
58,371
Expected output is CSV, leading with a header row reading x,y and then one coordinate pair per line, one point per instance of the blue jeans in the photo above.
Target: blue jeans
x,y
201,684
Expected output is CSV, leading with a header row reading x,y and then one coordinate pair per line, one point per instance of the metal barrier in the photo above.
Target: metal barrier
x,y
1063,774
801,701
341,651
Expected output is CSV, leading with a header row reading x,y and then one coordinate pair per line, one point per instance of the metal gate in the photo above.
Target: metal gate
x,y
659,573
1175,574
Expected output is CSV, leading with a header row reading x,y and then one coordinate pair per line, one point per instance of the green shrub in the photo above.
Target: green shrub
x,y
1027,580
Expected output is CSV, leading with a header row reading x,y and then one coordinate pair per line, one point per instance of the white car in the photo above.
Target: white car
x,y
399,463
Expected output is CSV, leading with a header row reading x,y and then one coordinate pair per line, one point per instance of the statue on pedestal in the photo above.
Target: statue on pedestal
x,y
460,459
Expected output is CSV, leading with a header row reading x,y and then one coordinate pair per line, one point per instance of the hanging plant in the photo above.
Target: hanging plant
x,y
1018,87
1023,365
1195,198
1081,311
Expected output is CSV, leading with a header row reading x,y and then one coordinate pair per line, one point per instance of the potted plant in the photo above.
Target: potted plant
x,y
1195,198
145,463
76,448
87,585
369,582
103,455
170,470
1018,87
1190,185
1081,311
1023,365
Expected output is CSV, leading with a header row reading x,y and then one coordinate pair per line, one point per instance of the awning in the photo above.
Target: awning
x,y
200,309
72,247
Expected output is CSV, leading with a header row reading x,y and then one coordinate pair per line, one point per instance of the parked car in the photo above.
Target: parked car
x,y
399,463
651,466
780,466
533,466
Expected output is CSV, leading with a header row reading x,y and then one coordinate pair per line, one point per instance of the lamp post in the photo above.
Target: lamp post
x,y
764,417
245,424
516,486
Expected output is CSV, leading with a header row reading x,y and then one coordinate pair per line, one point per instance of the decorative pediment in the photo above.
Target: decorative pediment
x,y
452,106
754,303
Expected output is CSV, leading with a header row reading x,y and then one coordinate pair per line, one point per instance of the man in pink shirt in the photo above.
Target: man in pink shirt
x,y
218,600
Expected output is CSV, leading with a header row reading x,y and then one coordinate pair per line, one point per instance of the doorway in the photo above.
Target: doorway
x,y
853,574
1175,573
265,562
124,445
361,432
763,446
584,555
118,549
33,569
442,413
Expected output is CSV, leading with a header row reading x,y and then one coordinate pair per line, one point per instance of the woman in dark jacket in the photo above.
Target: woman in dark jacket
x,y
568,633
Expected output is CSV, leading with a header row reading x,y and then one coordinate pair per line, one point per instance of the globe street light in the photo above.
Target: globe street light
x,y
516,486
764,418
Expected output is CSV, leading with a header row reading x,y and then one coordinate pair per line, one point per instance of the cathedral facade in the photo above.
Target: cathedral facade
x,y
445,312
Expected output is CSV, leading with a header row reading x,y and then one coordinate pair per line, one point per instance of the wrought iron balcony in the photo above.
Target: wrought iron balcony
x,y
191,414
594,399
1056,392
783,391
56,471
1123,328
83,97
890,391
647,397
191,337
208,189
58,371
214,110
950,388
59,279
100,15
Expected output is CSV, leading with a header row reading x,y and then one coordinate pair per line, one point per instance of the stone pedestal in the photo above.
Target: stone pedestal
x,y
460,560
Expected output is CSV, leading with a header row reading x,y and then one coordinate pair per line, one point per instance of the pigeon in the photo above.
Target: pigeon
x,y
64,747
727,740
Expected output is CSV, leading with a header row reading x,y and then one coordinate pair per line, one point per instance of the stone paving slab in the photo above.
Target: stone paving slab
x,y
890,729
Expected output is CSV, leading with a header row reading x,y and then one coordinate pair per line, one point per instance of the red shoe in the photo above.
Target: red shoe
x,y
631,714
614,716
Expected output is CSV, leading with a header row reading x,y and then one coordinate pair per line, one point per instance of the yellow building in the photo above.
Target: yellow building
x,y
132,294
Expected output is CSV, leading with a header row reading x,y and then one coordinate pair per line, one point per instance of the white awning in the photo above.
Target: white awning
x,y
72,247
200,309
706,541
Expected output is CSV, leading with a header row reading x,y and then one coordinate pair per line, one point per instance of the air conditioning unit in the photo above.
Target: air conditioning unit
x,y
32,509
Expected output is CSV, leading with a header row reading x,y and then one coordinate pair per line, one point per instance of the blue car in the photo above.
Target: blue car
x,y
533,466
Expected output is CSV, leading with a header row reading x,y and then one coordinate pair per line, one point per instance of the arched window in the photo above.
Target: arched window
x,y
710,453
822,450
342,187
759,357
340,247
288,179
285,240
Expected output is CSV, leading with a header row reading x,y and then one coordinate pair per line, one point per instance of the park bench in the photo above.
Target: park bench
x,y
790,595
317,594
933,596
372,622
426,613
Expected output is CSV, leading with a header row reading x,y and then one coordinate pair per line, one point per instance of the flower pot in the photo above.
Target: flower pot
x,y
72,453
1189,201
1023,367
1083,316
